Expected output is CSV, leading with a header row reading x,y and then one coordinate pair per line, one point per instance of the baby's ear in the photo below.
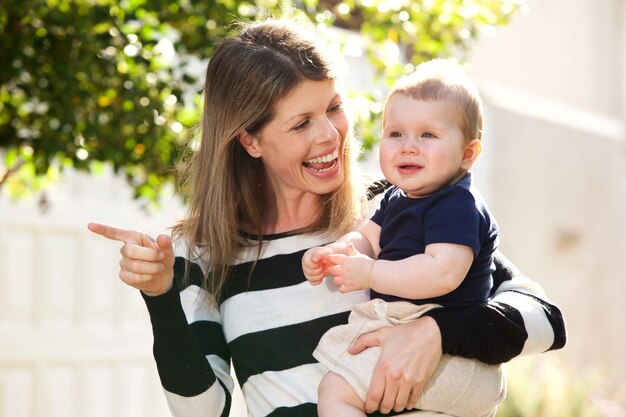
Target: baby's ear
x,y
470,153
250,143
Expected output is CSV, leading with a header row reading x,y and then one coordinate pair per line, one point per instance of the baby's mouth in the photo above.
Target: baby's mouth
x,y
409,168
322,163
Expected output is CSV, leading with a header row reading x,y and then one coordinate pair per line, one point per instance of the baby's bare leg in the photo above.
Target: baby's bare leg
x,y
337,398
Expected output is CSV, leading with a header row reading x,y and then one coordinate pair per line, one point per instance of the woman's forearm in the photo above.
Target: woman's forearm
x,y
182,368
518,320
188,378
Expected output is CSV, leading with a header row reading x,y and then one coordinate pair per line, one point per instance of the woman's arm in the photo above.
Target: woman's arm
x,y
189,347
518,320
190,351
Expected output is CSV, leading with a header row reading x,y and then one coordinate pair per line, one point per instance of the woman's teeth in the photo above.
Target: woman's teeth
x,y
323,163
323,159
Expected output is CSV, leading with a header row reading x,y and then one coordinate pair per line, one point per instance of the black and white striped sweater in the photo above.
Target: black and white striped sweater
x,y
269,325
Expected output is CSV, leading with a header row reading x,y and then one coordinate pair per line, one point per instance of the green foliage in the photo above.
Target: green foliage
x,y
399,34
86,82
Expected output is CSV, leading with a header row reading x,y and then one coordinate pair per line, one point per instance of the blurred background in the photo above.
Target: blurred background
x,y
98,102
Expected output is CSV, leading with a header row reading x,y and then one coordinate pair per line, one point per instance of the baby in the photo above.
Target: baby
x,y
428,245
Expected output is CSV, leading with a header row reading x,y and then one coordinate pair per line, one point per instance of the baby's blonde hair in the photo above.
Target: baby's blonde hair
x,y
445,80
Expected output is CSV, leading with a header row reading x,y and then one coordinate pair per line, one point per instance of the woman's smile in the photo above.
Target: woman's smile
x,y
324,163
303,145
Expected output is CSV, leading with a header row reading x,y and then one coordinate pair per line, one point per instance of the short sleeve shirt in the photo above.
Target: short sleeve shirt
x,y
454,214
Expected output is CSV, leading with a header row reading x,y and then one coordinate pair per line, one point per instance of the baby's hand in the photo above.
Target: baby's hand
x,y
315,265
352,271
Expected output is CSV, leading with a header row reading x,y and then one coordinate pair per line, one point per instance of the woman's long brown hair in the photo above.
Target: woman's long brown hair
x,y
245,78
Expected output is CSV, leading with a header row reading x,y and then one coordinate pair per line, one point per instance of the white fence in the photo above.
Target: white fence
x,y
74,340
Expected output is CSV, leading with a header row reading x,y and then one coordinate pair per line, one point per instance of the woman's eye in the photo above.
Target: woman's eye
x,y
301,125
335,108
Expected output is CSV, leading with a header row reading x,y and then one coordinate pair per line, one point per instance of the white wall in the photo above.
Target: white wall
x,y
554,83
567,51
74,340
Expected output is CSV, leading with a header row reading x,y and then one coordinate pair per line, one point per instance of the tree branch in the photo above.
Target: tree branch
x,y
8,172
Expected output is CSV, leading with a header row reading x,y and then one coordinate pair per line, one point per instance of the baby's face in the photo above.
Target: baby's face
x,y
422,146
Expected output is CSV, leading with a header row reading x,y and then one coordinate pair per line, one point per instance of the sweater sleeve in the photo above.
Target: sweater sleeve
x,y
519,319
190,351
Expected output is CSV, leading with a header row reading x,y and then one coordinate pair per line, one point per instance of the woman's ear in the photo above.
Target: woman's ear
x,y
471,153
250,143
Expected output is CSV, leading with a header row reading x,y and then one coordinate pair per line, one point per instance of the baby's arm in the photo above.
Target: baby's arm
x,y
438,271
364,240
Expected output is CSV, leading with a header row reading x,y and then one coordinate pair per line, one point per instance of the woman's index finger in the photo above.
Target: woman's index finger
x,y
111,232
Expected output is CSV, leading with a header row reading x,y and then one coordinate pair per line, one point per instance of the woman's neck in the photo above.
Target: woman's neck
x,y
287,213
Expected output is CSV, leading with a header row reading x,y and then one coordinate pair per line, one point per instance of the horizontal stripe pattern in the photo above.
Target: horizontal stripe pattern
x,y
181,363
555,317
262,388
538,328
301,410
270,323
222,372
211,339
545,320
215,399
198,305
283,245
280,348
255,311
279,314
275,272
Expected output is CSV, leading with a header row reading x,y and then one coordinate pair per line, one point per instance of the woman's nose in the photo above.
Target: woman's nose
x,y
328,131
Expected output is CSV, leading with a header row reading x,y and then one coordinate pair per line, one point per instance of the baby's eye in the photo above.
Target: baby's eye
x,y
395,135
428,135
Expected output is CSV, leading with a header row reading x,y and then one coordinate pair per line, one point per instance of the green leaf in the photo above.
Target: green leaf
x,y
69,90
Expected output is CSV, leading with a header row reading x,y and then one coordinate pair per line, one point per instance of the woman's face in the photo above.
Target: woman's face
x,y
302,146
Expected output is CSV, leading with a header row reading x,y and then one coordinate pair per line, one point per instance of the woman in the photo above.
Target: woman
x,y
275,174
